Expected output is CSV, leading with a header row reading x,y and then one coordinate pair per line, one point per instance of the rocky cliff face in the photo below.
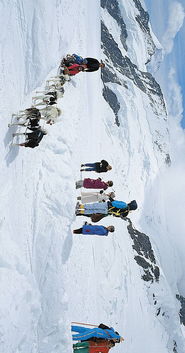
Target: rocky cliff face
x,y
127,84
114,10
143,20
122,71
165,308
145,256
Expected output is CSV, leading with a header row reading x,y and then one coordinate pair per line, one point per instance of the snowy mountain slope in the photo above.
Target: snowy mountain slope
x,y
153,218
118,63
48,276
29,208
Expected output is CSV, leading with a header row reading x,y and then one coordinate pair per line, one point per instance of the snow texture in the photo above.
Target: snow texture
x,y
132,279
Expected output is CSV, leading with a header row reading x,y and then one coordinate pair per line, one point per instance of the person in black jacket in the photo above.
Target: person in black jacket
x,y
28,143
32,138
98,167
93,64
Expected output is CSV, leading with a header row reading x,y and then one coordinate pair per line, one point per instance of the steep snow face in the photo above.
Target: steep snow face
x,y
124,76
136,104
36,185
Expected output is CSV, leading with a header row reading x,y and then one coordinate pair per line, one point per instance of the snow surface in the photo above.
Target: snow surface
x,y
49,277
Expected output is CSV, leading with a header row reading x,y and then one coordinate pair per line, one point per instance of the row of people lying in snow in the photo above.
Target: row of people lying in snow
x,y
101,339
30,118
98,210
98,204
96,340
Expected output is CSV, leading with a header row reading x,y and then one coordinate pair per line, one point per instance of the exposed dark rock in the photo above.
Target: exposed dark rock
x,y
145,257
112,100
156,272
113,9
108,76
168,160
141,243
158,145
143,80
143,20
175,347
120,69
147,276
182,309
143,17
142,262
154,298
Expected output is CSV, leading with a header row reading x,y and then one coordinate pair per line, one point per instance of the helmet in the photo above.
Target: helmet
x,y
132,205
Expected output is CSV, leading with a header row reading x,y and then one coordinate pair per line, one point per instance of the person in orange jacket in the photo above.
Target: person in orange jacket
x,y
101,346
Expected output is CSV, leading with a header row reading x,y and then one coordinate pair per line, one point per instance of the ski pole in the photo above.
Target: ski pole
x,y
82,323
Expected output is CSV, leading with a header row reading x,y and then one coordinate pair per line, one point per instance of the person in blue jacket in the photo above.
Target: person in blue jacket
x,y
94,229
85,333
112,207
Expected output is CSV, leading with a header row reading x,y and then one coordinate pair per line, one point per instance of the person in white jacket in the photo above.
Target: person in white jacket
x,y
88,197
50,114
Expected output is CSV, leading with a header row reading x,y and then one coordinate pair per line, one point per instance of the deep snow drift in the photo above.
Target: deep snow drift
x,y
48,276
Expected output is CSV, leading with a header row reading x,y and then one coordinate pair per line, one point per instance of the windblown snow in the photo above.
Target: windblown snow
x,y
50,277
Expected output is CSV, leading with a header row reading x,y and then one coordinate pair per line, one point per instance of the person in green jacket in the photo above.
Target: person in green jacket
x,y
81,347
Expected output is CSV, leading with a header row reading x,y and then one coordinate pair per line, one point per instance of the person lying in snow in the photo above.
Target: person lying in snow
x,y
89,64
32,139
88,183
31,124
89,209
73,69
85,333
101,346
88,197
50,114
29,113
98,167
113,207
94,230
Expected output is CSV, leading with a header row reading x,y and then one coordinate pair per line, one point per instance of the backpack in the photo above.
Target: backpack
x,y
119,204
96,217
118,212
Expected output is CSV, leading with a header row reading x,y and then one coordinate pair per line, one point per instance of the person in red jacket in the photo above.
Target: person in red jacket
x,y
73,69
101,346
89,183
